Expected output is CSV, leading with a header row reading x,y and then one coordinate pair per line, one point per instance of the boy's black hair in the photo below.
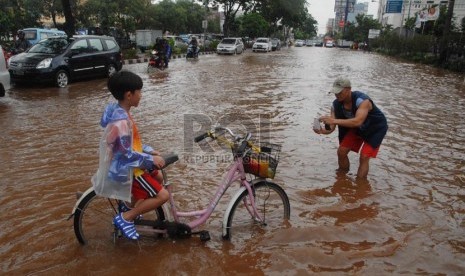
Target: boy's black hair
x,y
122,82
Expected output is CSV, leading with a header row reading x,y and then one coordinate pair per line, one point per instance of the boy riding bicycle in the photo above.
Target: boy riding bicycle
x,y
126,166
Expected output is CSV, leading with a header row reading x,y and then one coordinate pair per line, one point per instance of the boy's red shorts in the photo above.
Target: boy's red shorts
x,y
146,186
354,142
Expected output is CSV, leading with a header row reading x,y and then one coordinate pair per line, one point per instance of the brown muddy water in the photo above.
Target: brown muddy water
x,y
408,218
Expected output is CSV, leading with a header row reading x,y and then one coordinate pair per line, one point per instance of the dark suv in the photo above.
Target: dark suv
x,y
61,59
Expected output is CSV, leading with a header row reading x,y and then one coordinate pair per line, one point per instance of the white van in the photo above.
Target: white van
x,y
4,74
34,35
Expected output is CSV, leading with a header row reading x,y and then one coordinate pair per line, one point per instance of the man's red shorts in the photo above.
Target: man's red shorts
x,y
354,142
146,186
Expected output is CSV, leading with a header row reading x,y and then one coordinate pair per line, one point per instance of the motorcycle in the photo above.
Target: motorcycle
x,y
156,60
192,52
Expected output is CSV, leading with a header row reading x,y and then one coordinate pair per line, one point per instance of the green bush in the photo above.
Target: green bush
x,y
129,53
212,46
421,49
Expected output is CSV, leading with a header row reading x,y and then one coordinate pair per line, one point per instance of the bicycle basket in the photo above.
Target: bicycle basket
x,y
263,163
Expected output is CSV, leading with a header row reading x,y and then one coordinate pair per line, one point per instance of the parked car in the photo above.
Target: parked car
x,y
262,44
299,43
275,44
230,45
4,75
61,59
329,44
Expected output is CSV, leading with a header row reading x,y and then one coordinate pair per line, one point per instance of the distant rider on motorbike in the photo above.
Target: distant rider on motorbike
x,y
195,46
21,44
161,50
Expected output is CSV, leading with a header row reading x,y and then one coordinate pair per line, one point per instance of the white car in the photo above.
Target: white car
x,y
329,44
299,43
230,45
262,44
4,74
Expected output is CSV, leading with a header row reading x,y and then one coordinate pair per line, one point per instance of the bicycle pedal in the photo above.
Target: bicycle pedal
x,y
204,235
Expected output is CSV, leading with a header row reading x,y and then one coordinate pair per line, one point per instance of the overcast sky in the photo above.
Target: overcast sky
x,y
322,10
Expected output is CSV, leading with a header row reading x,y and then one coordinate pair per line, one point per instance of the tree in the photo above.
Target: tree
x,y
359,31
445,38
292,13
310,26
252,25
52,8
230,7
16,15
69,25
195,14
410,23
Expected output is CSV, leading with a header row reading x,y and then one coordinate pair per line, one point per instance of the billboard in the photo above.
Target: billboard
x,y
373,33
394,6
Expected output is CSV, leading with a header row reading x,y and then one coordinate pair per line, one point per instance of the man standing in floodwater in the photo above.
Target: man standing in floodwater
x,y
361,124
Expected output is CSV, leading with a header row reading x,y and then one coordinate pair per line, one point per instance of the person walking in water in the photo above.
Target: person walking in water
x,y
361,124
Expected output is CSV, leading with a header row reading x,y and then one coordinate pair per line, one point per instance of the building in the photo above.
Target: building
x,y
342,9
397,12
359,8
330,25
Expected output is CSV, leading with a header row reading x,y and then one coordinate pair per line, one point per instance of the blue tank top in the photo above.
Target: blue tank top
x,y
374,127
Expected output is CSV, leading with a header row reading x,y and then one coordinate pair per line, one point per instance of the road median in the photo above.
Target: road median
x,y
142,58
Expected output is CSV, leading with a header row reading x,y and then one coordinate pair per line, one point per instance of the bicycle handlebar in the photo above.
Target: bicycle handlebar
x,y
237,138
169,158
201,137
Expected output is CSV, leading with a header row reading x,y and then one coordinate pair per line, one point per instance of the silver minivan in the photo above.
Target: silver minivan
x,y
230,45
4,74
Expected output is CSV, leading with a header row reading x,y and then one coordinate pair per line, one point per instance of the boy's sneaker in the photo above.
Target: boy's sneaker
x,y
126,227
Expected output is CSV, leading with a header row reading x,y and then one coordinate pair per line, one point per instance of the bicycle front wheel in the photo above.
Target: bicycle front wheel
x,y
273,207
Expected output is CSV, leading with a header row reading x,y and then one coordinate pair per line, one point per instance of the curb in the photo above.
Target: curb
x,y
146,59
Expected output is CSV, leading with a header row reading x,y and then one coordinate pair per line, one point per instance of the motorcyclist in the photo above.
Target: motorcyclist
x,y
161,50
21,44
195,45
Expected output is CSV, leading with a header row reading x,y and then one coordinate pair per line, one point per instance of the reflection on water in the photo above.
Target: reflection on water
x,y
407,218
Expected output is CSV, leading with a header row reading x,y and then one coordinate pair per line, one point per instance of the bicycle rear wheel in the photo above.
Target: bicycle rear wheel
x,y
272,204
93,218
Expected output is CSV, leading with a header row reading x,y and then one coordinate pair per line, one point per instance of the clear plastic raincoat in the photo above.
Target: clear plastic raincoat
x,y
121,155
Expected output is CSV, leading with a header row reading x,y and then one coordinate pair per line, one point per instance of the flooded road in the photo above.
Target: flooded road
x,y
408,218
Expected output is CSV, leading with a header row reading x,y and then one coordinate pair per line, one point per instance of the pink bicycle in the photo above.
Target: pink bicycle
x,y
258,202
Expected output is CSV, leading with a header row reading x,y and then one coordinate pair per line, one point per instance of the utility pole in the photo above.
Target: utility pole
x,y
445,34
